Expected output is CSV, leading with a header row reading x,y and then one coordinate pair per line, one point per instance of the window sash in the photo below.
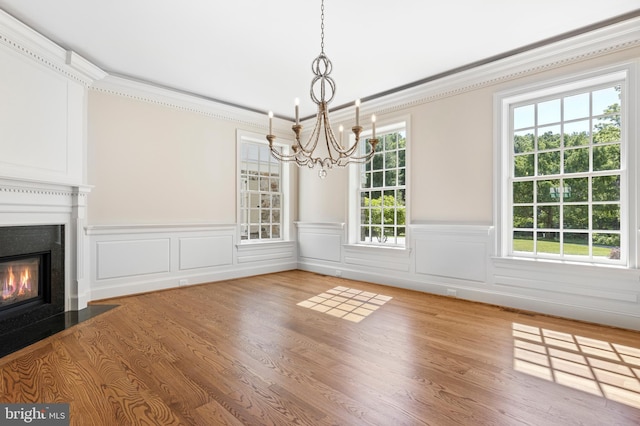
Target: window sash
x,y
540,221
381,193
261,194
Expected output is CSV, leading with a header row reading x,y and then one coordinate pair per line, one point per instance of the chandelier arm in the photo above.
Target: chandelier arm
x,y
312,142
368,156
348,152
355,160
283,157
330,137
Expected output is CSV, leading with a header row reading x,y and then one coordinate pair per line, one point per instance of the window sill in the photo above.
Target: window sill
x,y
395,251
253,245
551,265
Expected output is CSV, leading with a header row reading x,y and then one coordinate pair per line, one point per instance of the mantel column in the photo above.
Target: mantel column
x,y
80,251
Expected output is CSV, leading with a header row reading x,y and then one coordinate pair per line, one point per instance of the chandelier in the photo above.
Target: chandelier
x,y
323,89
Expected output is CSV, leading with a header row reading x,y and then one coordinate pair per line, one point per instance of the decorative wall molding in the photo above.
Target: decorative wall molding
x,y
170,98
458,252
378,257
266,251
17,187
129,229
320,241
129,259
459,260
23,40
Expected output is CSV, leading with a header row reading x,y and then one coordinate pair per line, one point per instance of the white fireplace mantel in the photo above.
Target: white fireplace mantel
x,y
28,202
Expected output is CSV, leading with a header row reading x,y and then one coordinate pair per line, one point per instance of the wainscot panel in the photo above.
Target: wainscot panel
x,y
117,259
320,241
202,252
460,251
130,259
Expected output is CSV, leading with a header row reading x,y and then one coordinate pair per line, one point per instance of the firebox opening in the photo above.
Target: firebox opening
x,y
24,281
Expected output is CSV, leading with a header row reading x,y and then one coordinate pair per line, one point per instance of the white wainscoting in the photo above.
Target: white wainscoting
x,y
452,252
320,241
128,258
607,295
140,258
205,252
459,259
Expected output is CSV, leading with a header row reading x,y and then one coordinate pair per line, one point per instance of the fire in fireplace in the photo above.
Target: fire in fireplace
x,y
32,285
20,280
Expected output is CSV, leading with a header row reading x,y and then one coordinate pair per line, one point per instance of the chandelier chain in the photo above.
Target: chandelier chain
x,y
322,27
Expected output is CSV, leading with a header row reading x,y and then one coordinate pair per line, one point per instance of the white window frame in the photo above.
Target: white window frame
x,y
285,185
503,210
383,126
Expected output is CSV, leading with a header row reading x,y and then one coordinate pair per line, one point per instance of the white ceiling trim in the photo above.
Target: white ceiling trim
x,y
25,41
22,40
146,92
607,40
604,41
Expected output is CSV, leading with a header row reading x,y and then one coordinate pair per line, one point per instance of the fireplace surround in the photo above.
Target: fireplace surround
x,y
29,297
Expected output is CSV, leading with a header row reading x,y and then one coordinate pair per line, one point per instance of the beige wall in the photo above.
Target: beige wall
x,y
451,159
155,164
152,164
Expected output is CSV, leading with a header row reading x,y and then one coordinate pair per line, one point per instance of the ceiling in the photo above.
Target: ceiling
x,y
257,54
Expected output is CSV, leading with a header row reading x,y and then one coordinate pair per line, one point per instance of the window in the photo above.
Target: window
x,y
382,190
261,192
565,187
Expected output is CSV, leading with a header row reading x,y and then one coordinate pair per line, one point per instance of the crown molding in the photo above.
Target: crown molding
x,y
84,67
147,92
24,41
600,42
596,43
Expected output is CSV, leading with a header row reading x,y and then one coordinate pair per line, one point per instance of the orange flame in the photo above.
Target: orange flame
x,y
16,284
25,282
8,287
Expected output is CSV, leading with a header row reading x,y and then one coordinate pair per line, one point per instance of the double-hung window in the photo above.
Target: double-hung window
x,y
565,190
382,191
262,188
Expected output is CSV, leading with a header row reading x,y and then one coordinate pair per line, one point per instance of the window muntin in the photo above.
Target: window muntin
x,y
382,190
261,193
566,176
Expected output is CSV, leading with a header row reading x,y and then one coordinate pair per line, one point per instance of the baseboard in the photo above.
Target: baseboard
x,y
470,291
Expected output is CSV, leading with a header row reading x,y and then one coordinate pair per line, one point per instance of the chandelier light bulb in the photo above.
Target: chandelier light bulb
x,y
373,126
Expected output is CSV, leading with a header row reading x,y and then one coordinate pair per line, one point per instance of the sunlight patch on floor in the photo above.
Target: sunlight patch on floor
x,y
595,366
346,303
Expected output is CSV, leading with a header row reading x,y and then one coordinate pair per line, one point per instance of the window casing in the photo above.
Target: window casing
x,y
564,188
262,188
381,207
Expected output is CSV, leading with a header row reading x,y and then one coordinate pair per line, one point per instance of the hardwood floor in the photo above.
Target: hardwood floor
x,y
247,351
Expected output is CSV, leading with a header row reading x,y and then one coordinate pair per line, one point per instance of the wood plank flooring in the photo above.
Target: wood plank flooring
x,y
243,352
